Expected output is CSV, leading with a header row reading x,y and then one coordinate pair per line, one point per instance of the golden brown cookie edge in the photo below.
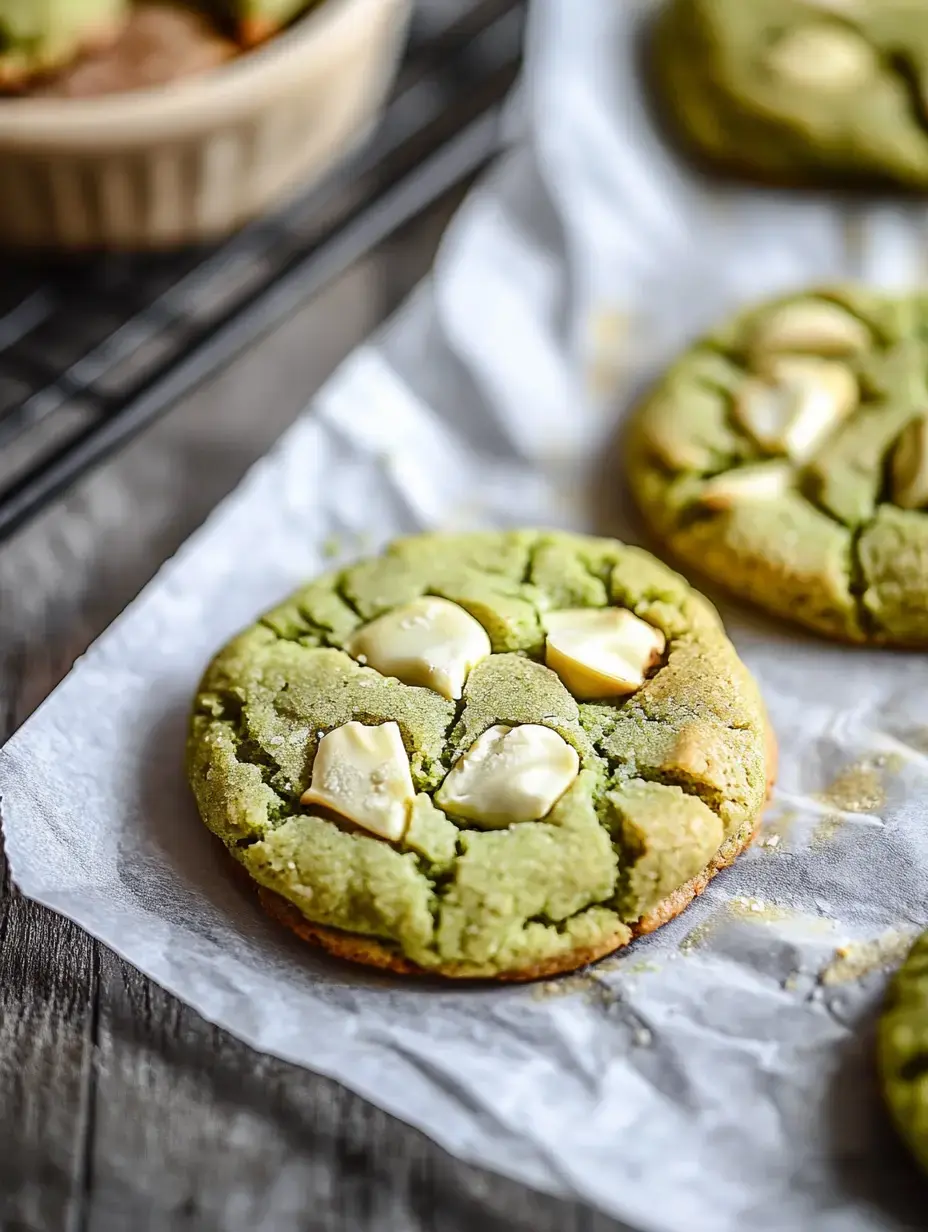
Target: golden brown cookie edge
x,y
368,951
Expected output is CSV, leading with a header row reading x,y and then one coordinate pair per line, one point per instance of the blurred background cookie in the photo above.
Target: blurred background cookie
x,y
903,1048
786,457
799,91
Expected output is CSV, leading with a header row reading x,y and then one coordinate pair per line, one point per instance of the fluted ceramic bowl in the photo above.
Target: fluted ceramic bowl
x,y
192,161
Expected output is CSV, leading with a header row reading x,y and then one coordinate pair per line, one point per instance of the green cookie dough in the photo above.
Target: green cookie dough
x,y
903,1050
816,406
671,781
799,91
37,36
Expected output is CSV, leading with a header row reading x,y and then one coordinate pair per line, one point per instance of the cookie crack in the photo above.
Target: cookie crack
x,y
712,797
313,629
806,490
858,583
442,882
906,72
447,755
915,1068
541,541
247,751
341,591
618,775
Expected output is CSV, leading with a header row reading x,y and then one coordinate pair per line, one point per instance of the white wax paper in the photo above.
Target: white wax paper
x,y
717,1086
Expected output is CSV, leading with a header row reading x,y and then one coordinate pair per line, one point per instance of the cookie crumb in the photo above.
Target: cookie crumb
x,y
859,787
857,959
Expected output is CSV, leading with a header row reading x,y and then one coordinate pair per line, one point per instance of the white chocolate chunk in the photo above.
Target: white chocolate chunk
x,y
601,652
765,482
909,470
429,642
510,774
815,327
823,57
797,403
362,773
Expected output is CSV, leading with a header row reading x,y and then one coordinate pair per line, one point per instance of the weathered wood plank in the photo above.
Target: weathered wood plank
x,y
47,1000
193,1128
47,986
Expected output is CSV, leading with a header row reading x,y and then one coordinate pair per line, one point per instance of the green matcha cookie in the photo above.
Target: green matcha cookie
x,y
484,755
903,1048
37,36
786,456
799,91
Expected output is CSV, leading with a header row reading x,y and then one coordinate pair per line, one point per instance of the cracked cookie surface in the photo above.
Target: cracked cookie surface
x,y
784,456
666,783
903,1049
799,91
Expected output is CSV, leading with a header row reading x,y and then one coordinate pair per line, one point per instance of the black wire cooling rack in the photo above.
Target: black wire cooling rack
x,y
94,350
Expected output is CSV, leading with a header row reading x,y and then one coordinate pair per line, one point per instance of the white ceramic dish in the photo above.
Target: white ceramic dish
x,y
190,162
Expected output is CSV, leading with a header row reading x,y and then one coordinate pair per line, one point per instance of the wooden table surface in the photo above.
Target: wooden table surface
x,y
120,1108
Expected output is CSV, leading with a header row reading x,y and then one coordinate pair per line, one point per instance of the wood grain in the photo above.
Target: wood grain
x,y
120,1109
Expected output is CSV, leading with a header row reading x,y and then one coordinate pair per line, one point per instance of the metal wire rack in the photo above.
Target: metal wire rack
x,y
94,350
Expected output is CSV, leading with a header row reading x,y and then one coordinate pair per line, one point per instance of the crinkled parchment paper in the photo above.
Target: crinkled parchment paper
x,y
719,1075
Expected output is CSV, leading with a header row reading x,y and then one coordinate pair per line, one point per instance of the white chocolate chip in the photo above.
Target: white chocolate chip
x,y
910,466
601,652
796,404
429,642
815,327
823,57
362,773
510,774
765,482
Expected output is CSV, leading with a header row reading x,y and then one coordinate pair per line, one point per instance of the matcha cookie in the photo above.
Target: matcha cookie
x,y
485,755
37,36
903,1049
786,457
799,91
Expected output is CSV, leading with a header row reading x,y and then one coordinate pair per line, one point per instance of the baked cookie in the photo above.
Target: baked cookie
x,y
903,1050
38,37
786,457
495,755
799,91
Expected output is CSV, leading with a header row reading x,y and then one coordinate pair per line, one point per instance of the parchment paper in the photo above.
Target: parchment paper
x,y
708,1079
